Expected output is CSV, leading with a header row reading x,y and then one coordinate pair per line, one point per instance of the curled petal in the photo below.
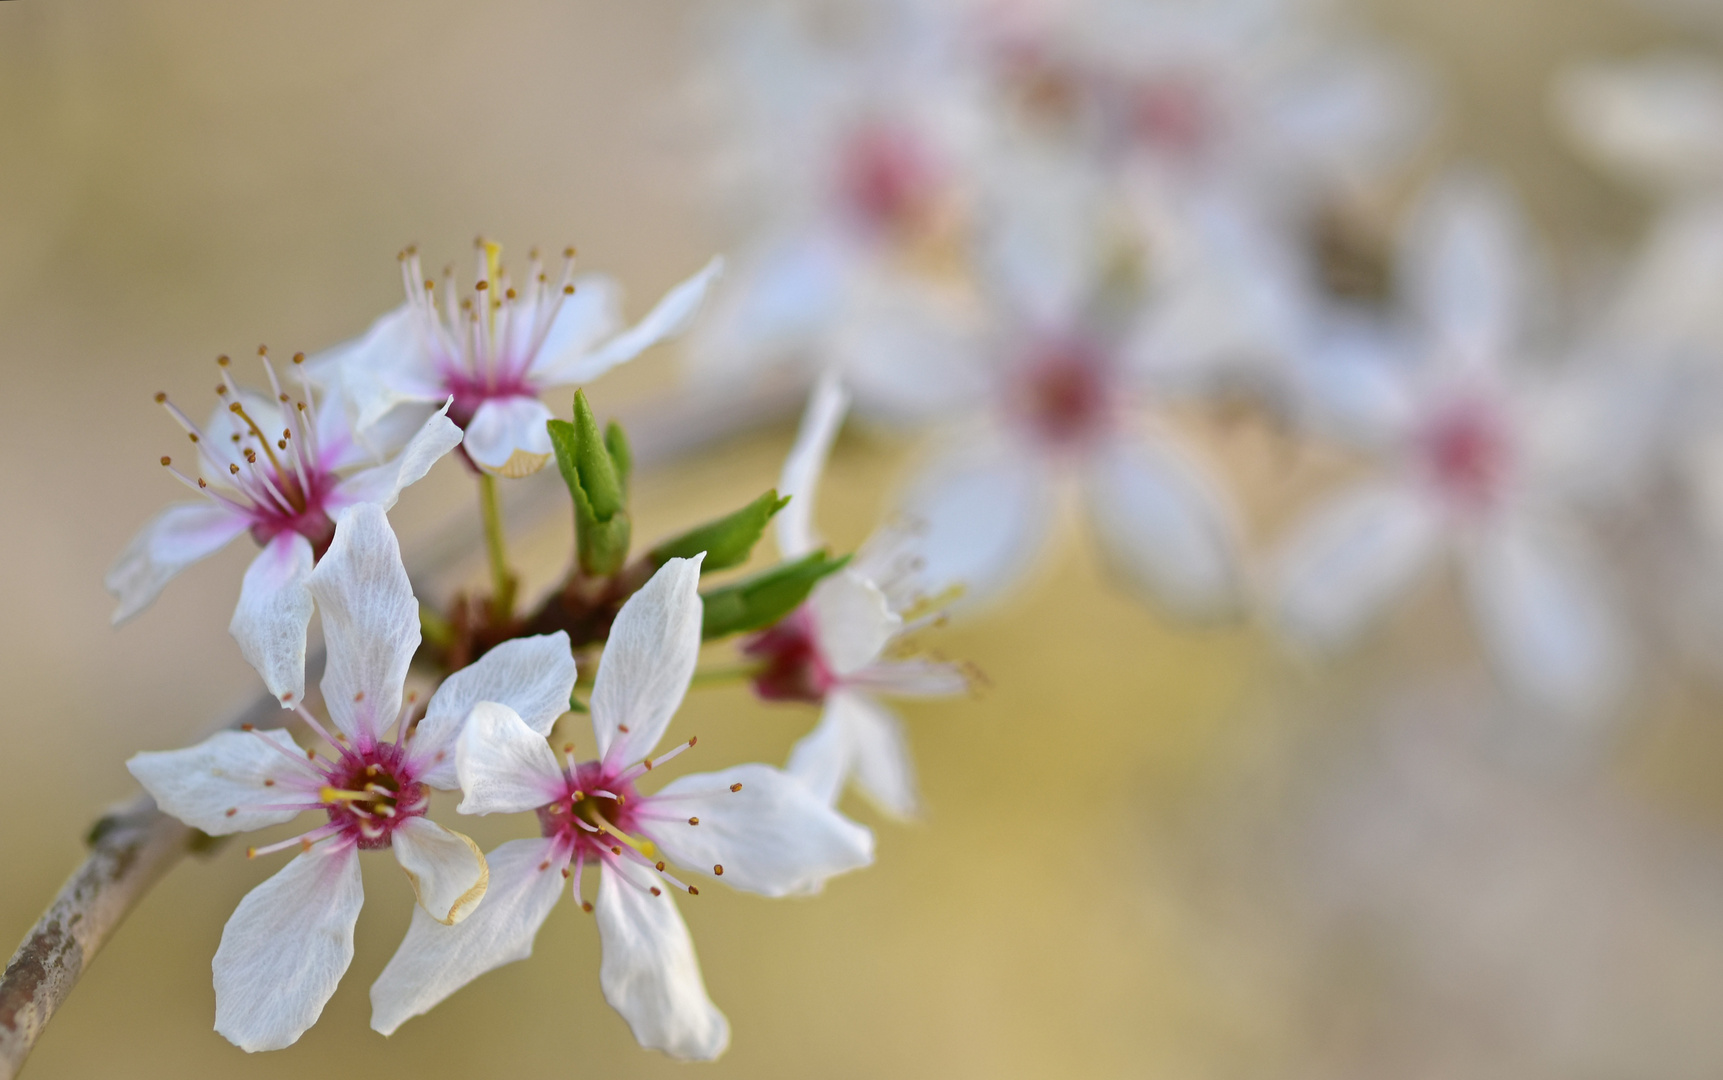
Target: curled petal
x,y
274,613
853,621
650,973
285,949
857,739
435,960
504,766
533,676
669,317
383,484
446,868
507,436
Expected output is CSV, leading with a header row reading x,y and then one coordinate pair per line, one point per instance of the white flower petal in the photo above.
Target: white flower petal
x,y
216,785
592,313
446,868
800,480
177,537
857,739
1349,561
853,621
382,484
534,676
1658,120
507,436
370,622
1467,267
504,766
285,949
389,365
435,960
647,662
782,298
1542,613
274,613
821,759
912,678
985,513
1166,527
772,837
650,974
671,316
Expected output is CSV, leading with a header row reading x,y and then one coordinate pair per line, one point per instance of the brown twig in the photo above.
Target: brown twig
x,y
132,846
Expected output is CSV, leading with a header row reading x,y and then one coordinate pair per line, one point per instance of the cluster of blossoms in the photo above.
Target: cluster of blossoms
x,y
1074,242
1057,237
374,415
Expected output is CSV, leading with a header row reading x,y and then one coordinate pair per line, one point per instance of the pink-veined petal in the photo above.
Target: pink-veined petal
x,y
504,766
446,868
1166,527
772,836
669,317
1352,558
285,949
853,621
534,676
370,623
649,973
217,785
800,480
507,436
382,484
435,960
650,656
174,539
274,613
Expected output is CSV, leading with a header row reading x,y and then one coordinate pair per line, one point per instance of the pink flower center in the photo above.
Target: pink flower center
x,y
1467,453
598,805
1171,115
369,793
1063,391
276,480
794,669
888,180
472,389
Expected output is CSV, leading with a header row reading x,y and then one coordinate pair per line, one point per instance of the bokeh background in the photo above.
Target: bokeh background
x,y
1148,851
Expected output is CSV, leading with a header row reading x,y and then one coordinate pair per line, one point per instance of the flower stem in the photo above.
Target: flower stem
x,y
719,676
502,580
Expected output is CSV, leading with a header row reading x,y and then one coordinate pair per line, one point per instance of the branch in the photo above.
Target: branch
x,y
132,846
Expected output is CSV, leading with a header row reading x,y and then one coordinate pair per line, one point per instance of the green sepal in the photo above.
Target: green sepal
x,y
601,523
575,705
764,598
727,541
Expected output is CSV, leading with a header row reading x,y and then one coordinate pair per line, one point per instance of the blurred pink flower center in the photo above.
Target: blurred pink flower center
x,y
794,670
1466,449
1063,392
888,179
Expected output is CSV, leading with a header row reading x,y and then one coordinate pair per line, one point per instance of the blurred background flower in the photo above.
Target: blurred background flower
x,y
1148,847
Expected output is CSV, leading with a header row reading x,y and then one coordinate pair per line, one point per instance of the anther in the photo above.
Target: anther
x,y
269,783
735,787
692,891
568,252
718,869
263,350
568,290
232,810
202,483
481,286
586,905
222,360
299,358
622,728
166,460
565,874
660,864
656,891
234,469
544,865
616,851
247,727
693,821
161,398
510,294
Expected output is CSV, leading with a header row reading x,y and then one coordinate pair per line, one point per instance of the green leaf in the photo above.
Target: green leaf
x,y
764,598
727,541
601,523
616,441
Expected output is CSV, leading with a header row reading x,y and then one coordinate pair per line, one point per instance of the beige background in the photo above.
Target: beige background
x,y
1148,851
